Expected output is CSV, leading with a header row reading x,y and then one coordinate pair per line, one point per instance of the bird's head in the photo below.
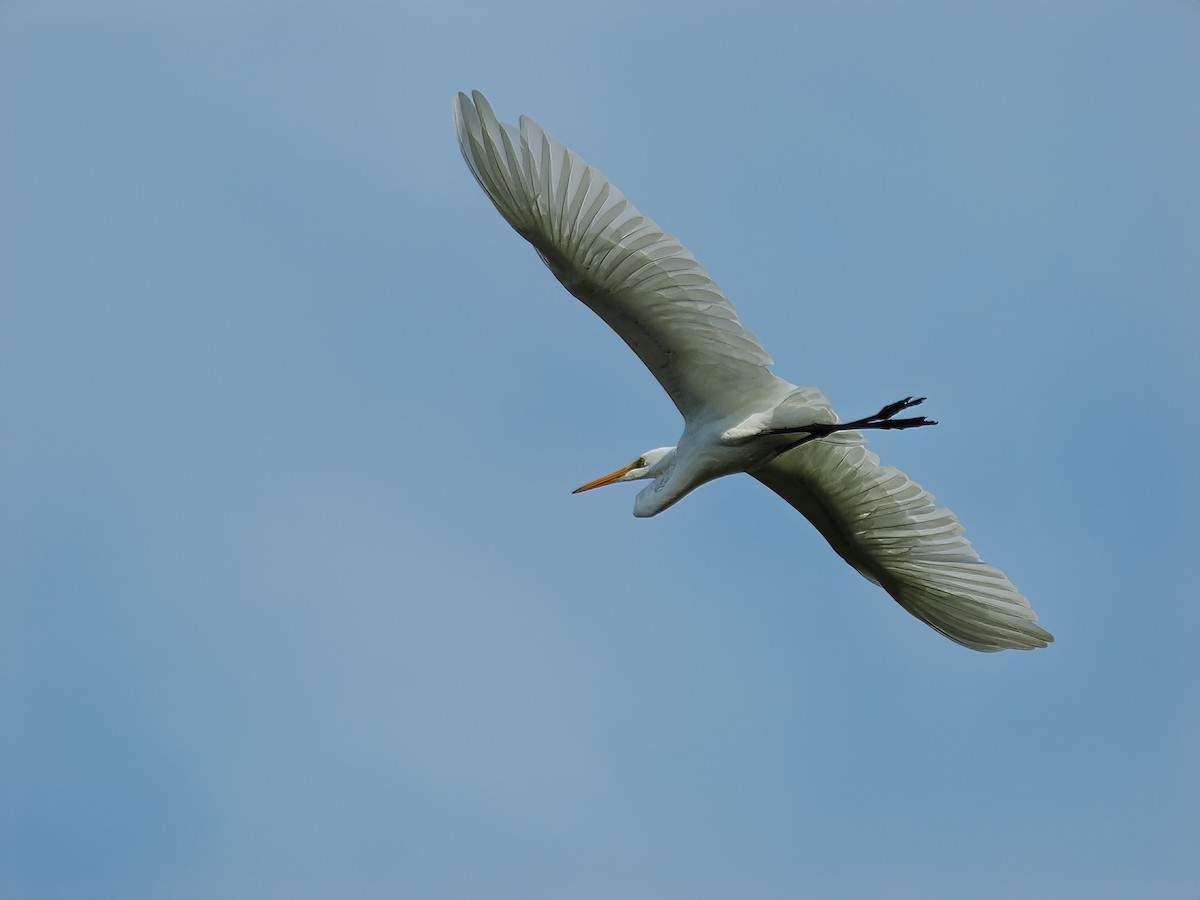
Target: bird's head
x,y
656,464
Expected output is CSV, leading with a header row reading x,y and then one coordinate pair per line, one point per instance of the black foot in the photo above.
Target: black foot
x,y
883,419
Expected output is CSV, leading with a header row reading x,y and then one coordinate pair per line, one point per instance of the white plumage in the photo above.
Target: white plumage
x,y
738,416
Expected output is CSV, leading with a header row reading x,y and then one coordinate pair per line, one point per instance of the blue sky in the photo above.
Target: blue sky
x,y
295,600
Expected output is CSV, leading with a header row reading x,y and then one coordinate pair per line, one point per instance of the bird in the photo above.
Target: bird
x,y
739,417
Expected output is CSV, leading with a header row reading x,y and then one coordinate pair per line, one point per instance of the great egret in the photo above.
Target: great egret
x,y
738,416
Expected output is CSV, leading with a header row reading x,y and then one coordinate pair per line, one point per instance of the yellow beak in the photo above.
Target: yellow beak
x,y
601,482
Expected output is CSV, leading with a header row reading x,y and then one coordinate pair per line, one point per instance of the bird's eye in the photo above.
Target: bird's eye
x,y
640,463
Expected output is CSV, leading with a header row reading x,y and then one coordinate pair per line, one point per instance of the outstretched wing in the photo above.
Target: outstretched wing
x,y
889,529
642,282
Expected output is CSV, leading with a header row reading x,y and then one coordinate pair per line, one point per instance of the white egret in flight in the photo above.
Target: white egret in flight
x,y
738,416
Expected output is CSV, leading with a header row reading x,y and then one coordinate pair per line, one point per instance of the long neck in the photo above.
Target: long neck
x,y
671,483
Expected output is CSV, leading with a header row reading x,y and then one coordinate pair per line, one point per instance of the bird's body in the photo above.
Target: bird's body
x,y
716,445
738,415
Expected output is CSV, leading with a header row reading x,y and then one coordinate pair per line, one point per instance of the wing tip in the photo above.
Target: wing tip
x,y
992,635
471,114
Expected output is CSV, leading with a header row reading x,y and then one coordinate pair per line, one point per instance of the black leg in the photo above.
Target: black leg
x,y
882,420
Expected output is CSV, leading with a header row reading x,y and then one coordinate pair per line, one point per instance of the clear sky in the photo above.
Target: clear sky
x,y
296,601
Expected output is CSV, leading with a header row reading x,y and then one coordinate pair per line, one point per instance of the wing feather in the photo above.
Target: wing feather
x,y
638,279
890,529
